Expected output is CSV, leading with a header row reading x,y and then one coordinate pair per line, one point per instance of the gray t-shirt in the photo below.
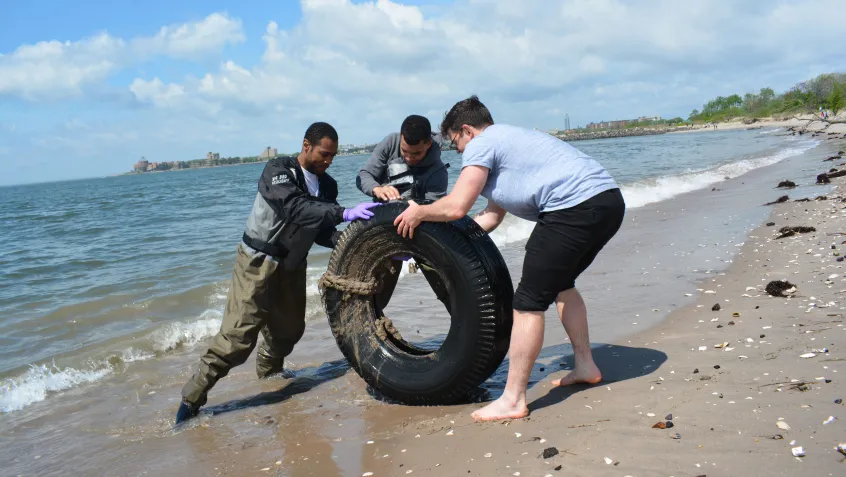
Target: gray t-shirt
x,y
533,172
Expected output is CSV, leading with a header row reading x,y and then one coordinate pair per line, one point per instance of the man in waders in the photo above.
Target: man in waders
x,y
406,165
294,208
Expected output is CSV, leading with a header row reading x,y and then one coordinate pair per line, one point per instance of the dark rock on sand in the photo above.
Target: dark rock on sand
x,y
781,199
779,287
550,452
791,231
786,184
823,179
716,307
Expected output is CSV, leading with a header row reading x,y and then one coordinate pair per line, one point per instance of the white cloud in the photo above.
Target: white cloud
x,y
364,66
191,40
53,69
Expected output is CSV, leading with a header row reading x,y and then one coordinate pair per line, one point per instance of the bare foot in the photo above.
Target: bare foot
x,y
501,409
586,374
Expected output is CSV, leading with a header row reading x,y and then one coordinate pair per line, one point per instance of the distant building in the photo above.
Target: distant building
x,y
141,166
268,153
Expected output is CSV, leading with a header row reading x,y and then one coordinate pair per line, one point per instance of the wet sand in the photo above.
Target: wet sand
x,y
325,422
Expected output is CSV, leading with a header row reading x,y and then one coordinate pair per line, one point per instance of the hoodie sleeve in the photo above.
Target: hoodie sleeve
x,y
371,174
436,186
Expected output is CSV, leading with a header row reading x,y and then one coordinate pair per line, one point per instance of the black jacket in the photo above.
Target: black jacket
x,y
286,220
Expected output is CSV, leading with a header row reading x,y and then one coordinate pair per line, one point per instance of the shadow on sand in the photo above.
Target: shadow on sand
x,y
618,363
303,381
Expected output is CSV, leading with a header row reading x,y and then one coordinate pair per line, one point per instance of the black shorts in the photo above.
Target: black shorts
x,y
563,244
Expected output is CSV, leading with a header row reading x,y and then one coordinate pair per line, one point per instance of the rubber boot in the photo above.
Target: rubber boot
x,y
186,411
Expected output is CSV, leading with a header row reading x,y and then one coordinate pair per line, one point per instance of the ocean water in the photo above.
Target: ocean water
x,y
99,274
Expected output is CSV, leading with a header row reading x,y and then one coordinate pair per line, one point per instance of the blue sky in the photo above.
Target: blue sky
x,y
87,88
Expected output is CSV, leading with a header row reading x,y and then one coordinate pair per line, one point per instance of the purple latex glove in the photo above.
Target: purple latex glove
x,y
360,211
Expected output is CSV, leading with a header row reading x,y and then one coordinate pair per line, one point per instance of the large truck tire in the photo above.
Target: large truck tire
x,y
480,296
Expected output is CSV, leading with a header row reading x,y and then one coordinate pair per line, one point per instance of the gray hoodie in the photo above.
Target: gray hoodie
x,y
428,180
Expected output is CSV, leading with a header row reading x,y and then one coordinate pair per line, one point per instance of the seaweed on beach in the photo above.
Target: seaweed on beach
x,y
780,288
781,199
791,231
786,184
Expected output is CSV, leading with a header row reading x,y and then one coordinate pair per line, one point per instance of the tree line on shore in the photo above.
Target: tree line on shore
x,y
826,91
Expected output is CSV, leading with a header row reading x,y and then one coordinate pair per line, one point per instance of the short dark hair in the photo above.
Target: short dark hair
x,y
468,111
317,131
416,128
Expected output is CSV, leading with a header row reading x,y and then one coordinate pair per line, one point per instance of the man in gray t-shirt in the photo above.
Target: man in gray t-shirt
x,y
578,208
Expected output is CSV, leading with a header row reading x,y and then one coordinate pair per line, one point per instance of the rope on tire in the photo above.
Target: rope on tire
x,y
348,285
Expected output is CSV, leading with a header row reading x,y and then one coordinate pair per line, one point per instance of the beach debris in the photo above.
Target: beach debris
x,y
550,452
451,432
367,474
770,224
838,401
807,355
608,460
703,348
786,184
780,288
676,436
841,448
735,315
721,345
659,425
780,200
783,426
731,323
791,231
829,420
517,434
669,424
696,371
798,451
716,307
716,366
668,417
650,414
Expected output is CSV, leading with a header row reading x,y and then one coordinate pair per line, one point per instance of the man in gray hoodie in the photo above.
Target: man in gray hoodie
x,y
407,165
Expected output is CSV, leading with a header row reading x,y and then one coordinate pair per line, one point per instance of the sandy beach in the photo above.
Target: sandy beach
x,y
806,122
751,389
